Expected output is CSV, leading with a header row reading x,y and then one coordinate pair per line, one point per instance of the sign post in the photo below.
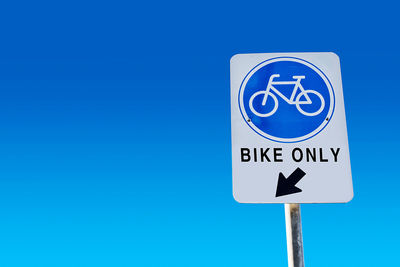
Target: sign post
x,y
289,135
294,235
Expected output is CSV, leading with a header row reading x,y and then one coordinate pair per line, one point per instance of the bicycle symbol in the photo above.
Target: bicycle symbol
x,y
291,101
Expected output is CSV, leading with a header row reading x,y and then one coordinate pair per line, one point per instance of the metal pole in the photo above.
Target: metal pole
x,y
294,236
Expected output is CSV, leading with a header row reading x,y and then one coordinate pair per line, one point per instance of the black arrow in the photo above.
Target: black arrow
x,y
288,186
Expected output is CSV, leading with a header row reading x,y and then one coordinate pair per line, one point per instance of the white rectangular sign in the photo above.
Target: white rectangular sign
x,y
289,136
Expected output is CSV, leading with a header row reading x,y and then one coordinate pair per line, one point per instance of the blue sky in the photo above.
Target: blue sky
x,y
115,133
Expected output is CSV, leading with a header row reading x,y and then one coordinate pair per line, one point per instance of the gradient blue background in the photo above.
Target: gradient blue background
x,y
115,133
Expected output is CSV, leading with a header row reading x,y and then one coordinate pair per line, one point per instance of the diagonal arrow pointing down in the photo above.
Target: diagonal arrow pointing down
x,y
287,186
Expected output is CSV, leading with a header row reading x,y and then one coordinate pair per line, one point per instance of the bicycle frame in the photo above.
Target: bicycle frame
x,y
290,100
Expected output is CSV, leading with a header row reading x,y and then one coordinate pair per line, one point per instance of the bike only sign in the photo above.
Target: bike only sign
x,y
289,136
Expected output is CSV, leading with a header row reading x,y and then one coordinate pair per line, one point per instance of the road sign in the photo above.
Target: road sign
x,y
289,136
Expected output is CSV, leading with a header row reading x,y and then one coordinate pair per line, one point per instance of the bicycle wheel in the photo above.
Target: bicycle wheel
x,y
309,92
259,114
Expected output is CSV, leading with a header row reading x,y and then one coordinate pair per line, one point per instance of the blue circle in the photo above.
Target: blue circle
x,y
297,105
